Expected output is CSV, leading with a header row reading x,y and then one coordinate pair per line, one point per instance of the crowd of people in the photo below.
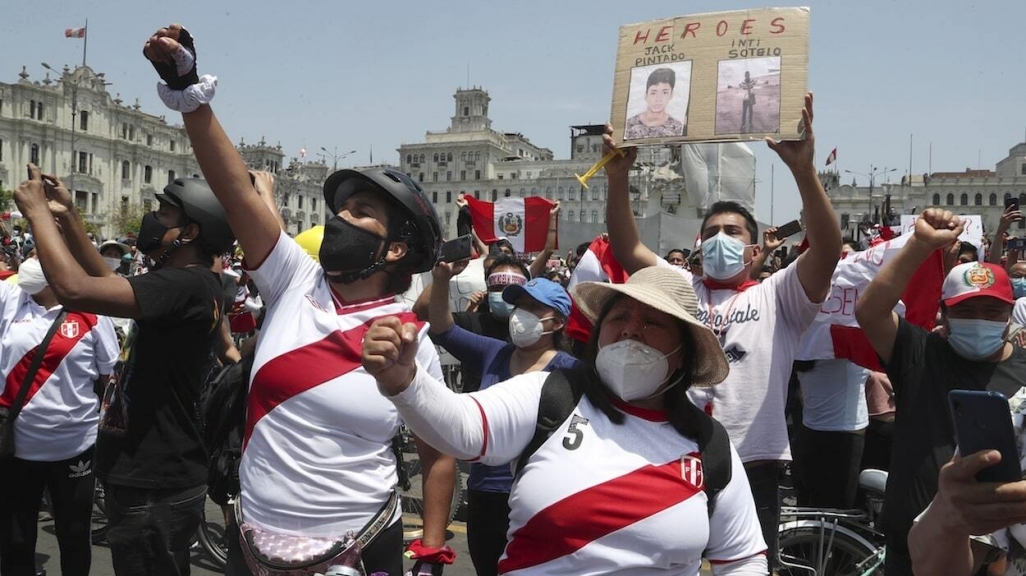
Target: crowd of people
x,y
654,442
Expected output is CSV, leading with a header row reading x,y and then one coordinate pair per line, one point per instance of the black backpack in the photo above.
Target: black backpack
x,y
223,407
562,391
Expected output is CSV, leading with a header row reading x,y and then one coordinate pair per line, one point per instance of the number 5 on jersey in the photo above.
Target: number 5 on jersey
x,y
574,436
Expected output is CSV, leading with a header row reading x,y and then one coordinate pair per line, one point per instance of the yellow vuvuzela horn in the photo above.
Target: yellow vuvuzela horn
x,y
598,166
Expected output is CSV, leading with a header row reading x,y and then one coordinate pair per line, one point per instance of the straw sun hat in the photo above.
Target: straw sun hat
x,y
667,291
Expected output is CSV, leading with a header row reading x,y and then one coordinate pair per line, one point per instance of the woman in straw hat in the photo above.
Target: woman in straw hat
x,y
618,486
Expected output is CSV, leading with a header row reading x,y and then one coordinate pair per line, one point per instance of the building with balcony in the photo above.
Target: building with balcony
x,y
470,157
972,192
116,157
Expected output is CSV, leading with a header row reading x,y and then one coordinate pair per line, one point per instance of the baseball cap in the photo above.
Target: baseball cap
x,y
542,290
974,279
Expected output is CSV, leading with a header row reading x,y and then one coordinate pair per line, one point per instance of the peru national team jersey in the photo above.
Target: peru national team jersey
x,y
59,417
317,457
602,498
759,329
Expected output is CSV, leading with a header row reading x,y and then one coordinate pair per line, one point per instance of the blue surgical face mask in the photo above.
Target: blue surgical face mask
x,y
723,257
976,339
1019,287
499,307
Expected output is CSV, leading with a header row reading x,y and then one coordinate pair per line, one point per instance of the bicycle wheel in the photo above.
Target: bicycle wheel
x,y
413,498
823,550
98,528
212,533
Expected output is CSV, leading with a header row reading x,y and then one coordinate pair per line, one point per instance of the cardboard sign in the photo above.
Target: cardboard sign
x,y
714,77
972,233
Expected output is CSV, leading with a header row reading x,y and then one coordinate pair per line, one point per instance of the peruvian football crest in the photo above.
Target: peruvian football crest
x,y
70,329
691,470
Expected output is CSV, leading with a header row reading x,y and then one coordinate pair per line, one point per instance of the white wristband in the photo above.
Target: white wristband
x,y
191,98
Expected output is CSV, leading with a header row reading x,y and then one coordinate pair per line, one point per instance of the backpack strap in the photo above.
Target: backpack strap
x,y
714,446
560,393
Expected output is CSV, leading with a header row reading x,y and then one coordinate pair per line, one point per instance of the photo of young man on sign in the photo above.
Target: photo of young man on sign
x,y
748,96
657,106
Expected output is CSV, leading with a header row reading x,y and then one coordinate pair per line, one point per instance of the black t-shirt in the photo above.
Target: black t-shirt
x,y
161,378
923,369
480,322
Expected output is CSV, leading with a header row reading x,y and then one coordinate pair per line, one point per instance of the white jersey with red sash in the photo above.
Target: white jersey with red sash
x,y
317,457
59,417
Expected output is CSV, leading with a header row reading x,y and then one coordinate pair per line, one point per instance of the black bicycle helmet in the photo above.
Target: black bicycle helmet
x,y
195,199
423,235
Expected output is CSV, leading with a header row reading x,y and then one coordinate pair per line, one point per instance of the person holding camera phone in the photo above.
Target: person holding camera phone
x,y
970,523
976,305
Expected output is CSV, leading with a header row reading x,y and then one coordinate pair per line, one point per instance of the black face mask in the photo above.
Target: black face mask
x,y
151,233
351,250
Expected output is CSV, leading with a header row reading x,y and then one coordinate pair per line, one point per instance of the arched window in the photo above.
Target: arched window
x,y
570,217
950,199
548,192
409,159
1022,199
421,158
34,154
507,192
582,215
559,193
126,170
436,157
449,156
978,200
534,191
993,199
936,199
523,192
1007,195
594,216
571,193
963,200
83,121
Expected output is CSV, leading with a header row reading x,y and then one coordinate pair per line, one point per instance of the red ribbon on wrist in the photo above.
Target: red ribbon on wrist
x,y
418,551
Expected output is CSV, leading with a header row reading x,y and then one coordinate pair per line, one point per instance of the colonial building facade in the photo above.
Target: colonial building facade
x,y
472,158
972,192
114,156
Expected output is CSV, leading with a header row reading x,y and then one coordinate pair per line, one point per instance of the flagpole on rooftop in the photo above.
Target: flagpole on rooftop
x,y
86,43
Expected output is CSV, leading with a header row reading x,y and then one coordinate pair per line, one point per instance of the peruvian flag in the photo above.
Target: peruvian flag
x,y
74,32
835,333
832,157
522,221
596,265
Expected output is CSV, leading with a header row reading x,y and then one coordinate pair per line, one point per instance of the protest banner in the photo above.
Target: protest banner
x,y
972,232
721,76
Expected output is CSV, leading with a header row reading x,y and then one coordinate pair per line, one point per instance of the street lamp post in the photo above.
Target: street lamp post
x,y
335,156
873,173
74,114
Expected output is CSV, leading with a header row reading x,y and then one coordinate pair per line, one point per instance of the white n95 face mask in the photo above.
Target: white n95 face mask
x,y
526,328
632,370
30,277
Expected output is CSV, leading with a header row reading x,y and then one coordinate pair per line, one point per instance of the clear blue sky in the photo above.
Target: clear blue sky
x,y
376,74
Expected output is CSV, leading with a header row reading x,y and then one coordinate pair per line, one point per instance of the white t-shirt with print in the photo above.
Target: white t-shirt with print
x,y
759,330
59,418
317,457
596,497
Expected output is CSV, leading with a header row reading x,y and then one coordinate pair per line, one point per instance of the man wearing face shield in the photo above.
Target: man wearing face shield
x,y
976,304
536,317
55,431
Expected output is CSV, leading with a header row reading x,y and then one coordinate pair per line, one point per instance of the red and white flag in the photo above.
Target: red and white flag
x,y
832,157
836,334
522,221
596,265
74,32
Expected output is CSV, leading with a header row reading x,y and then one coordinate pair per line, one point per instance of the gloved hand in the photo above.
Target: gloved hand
x,y
172,52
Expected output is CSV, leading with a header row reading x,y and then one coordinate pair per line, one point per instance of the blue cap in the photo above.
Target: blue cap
x,y
542,290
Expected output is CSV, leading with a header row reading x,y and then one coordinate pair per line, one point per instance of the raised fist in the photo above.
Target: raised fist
x,y
172,52
937,228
